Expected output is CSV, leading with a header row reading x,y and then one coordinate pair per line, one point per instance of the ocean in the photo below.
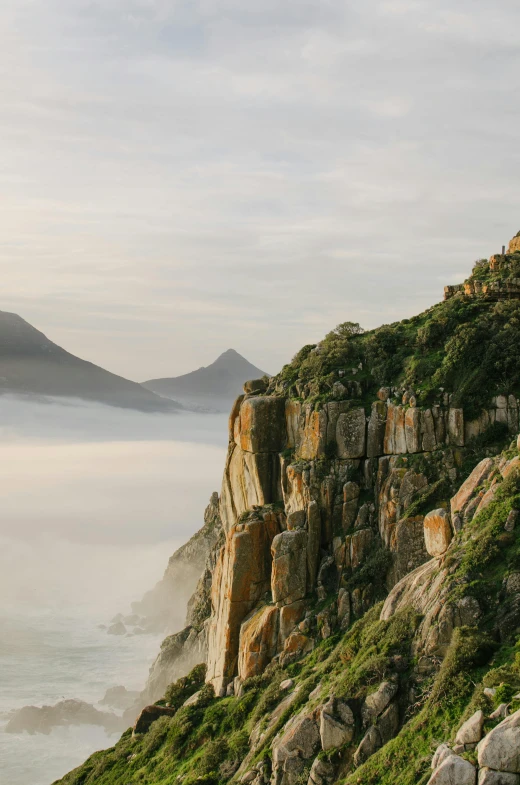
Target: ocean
x,y
93,502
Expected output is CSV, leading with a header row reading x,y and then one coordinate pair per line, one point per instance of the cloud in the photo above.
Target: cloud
x,y
178,178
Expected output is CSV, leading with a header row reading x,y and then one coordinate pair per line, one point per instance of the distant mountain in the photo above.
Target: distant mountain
x,y
32,364
215,386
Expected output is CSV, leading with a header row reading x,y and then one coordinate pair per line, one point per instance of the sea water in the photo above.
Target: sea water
x,y
93,501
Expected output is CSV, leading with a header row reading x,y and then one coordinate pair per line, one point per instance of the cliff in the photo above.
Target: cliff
x,y
366,598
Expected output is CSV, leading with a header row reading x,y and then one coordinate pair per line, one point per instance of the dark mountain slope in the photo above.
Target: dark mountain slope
x,y
32,364
215,386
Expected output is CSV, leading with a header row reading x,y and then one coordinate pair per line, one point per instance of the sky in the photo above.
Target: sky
x,y
178,178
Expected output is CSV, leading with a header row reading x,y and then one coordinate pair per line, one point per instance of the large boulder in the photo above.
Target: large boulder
x,y
437,532
369,744
336,724
149,715
500,749
322,773
465,493
261,424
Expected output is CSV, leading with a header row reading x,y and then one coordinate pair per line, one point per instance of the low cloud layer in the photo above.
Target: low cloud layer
x,y
179,178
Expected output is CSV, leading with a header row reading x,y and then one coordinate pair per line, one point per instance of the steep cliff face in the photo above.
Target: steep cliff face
x,y
365,598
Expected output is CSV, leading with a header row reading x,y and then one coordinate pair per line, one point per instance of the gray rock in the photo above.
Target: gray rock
x,y
454,771
287,684
336,724
500,713
322,773
388,723
149,715
117,629
512,519
351,434
490,777
370,743
377,701
500,749
299,742
441,753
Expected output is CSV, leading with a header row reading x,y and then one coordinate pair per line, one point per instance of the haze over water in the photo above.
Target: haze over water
x,y
94,501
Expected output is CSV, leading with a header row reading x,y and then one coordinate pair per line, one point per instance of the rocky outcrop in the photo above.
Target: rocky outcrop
x,y
35,719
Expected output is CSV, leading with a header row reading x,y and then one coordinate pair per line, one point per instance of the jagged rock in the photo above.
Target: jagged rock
x,y
351,434
472,730
500,713
313,542
454,771
258,641
490,777
377,701
376,430
441,753
344,608
290,616
336,724
463,496
119,698
262,422
370,743
117,629
322,773
289,572
149,715
388,723
299,743
255,386
296,646
500,749
408,548
437,532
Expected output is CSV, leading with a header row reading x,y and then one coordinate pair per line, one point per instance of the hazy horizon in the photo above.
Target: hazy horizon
x,y
175,176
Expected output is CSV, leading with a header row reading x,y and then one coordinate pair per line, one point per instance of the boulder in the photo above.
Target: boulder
x,y
299,743
149,715
370,743
289,572
500,749
377,701
454,771
441,753
490,777
388,723
437,532
117,629
336,724
253,386
500,713
472,730
262,424
322,773
351,434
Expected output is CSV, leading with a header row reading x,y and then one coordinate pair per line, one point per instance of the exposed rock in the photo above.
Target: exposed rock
x,y
472,730
287,684
258,641
441,753
34,719
193,699
351,434
313,542
299,743
322,773
490,777
262,424
454,771
376,429
500,713
289,573
437,532
500,749
255,386
119,698
388,723
370,743
344,608
480,473
149,715
377,701
336,724
290,616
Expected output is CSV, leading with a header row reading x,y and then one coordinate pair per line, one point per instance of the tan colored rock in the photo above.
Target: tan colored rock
x,y
295,489
490,777
296,520
511,466
293,411
313,437
322,773
500,749
360,547
313,542
377,701
472,730
429,439
255,386
258,641
514,244
299,743
407,547
262,424
249,480
395,436
456,427
351,434
289,571
412,427
344,609
441,753
290,617
437,532
370,743
376,430
463,496
296,646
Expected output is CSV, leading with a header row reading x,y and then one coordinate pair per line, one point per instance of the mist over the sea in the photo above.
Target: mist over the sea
x,y
94,501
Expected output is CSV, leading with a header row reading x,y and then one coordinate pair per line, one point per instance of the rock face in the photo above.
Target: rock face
x,y
299,743
337,724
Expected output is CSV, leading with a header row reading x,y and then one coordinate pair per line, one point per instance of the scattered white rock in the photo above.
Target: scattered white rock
x,y
287,684
441,753
500,749
454,771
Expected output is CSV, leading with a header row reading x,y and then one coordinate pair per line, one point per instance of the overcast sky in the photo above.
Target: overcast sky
x,y
180,177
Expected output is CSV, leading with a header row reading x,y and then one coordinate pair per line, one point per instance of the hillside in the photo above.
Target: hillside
x,y
362,623
215,386
31,364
